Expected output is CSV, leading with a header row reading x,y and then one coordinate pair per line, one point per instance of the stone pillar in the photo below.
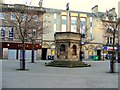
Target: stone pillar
x,y
78,23
88,28
68,22
69,52
5,53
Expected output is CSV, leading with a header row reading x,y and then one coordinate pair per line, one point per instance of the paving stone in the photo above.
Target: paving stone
x,y
40,76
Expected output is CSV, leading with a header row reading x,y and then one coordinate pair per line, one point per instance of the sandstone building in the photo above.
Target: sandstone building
x,y
96,39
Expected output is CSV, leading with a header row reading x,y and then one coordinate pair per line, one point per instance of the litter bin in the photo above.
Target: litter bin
x,y
91,57
95,57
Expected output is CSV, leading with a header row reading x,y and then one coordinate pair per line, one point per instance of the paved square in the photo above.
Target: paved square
x,y
40,76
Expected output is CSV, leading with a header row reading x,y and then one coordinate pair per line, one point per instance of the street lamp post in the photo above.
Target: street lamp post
x,y
68,17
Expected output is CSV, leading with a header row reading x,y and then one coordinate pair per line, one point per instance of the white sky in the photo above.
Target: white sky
x,y
77,5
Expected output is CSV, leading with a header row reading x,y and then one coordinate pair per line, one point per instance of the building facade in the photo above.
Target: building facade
x,y
95,39
58,20
119,26
10,17
119,17
91,28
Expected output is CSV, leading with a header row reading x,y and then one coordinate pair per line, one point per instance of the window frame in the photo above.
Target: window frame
x,y
11,33
3,29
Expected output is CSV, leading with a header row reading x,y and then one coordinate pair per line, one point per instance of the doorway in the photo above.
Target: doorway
x,y
99,54
11,54
44,53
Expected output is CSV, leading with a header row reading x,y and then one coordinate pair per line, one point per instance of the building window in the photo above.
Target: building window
x,y
91,20
91,24
110,29
35,17
83,25
24,17
34,32
107,40
11,32
73,24
13,16
54,27
63,23
55,22
74,50
3,32
2,16
91,36
111,40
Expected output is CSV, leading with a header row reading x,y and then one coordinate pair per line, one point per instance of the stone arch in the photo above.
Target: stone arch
x,y
84,48
62,49
91,47
45,45
74,50
52,46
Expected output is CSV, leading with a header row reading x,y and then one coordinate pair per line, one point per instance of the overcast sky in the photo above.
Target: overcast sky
x,y
77,5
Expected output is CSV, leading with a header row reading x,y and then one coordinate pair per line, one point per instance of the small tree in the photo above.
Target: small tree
x,y
34,33
112,26
37,29
28,25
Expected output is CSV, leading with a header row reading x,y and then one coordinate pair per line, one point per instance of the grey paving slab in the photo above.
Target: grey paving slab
x,y
40,76
0,74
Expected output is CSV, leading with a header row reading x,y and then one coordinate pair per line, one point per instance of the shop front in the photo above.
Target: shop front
x,y
10,50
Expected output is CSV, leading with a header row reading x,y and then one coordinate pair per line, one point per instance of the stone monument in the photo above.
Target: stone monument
x,y
67,46
67,43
